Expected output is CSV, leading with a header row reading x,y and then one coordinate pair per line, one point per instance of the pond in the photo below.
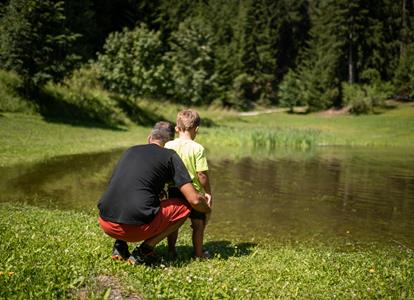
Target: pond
x,y
358,196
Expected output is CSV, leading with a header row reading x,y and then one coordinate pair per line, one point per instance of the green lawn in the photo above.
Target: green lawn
x,y
49,254
25,138
46,254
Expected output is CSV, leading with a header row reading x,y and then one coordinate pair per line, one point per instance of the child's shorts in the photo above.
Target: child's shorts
x,y
194,214
174,192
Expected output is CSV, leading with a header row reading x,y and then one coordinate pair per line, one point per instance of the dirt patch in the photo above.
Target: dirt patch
x,y
106,284
267,111
333,112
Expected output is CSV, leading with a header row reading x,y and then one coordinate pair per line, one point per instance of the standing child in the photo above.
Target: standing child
x,y
193,156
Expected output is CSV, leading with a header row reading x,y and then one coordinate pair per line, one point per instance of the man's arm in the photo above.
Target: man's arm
x,y
204,181
196,200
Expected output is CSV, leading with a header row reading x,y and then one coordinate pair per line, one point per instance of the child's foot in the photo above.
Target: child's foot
x,y
204,256
172,255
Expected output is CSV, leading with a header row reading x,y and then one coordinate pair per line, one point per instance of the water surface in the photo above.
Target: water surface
x,y
354,195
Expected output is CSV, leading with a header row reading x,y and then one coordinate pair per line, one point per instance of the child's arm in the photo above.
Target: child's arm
x,y
205,183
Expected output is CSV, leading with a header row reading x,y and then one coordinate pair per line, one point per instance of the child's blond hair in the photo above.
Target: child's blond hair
x,y
187,119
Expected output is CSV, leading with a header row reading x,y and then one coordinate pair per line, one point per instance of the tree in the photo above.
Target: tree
x,y
289,90
35,41
132,63
191,63
321,60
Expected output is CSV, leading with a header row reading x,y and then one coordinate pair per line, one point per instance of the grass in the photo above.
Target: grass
x,y
10,98
27,138
48,254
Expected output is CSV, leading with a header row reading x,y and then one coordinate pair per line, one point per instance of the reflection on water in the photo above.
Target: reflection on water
x,y
358,195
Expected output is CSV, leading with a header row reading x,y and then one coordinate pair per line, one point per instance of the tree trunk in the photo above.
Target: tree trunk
x,y
350,53
403,40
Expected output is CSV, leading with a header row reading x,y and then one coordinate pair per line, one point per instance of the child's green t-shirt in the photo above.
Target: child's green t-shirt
x,y
193,156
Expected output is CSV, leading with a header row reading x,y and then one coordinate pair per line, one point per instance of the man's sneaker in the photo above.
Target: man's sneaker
x,y
143,255
120,251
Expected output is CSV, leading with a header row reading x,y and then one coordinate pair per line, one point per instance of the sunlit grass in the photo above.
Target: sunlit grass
x,y
25,138
47,254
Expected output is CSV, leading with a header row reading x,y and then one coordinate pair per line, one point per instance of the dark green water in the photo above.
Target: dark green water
x,y
355,195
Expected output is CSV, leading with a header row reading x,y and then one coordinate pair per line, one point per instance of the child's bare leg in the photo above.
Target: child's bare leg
x,y
172,240
198,236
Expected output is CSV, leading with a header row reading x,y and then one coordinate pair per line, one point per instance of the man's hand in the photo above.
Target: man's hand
x,y
196,200
209,199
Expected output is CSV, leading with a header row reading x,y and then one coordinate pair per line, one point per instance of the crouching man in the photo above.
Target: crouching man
x,y
131,211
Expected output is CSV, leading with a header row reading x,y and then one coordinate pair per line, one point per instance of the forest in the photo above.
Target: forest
x,y
236,53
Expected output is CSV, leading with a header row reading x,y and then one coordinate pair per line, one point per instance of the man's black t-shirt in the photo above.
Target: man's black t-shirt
x,y
140,175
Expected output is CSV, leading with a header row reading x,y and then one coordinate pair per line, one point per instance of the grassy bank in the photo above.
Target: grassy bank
x,y
48,254
25,138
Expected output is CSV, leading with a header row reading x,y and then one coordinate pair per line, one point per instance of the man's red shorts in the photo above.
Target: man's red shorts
x,y
171,211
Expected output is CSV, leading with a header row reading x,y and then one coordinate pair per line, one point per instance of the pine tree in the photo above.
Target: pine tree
x,y
191,63
35,41
318,72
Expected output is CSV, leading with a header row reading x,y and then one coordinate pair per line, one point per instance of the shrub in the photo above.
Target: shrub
x,y
132,64
363,98
289,91
80,98
191,61
11,100
241,91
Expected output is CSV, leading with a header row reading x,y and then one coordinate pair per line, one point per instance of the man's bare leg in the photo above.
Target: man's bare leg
x,y
145,252
151,242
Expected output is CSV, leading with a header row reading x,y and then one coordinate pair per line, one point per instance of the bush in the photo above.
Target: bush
x,y
289,91
80,98
132,64
363,98
241,92
191,64
11,100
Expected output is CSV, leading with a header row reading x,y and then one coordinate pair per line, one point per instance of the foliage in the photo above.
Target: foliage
x,y
35,42
191,61
131,63
289,91
404,75
319,71
11,99
81,98
363,98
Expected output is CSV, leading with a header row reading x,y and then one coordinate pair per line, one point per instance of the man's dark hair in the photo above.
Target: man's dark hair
x,y
163,131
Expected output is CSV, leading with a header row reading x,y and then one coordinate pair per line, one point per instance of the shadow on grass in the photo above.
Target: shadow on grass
x,y
137,114
88,111
207,122
217,249
55,110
